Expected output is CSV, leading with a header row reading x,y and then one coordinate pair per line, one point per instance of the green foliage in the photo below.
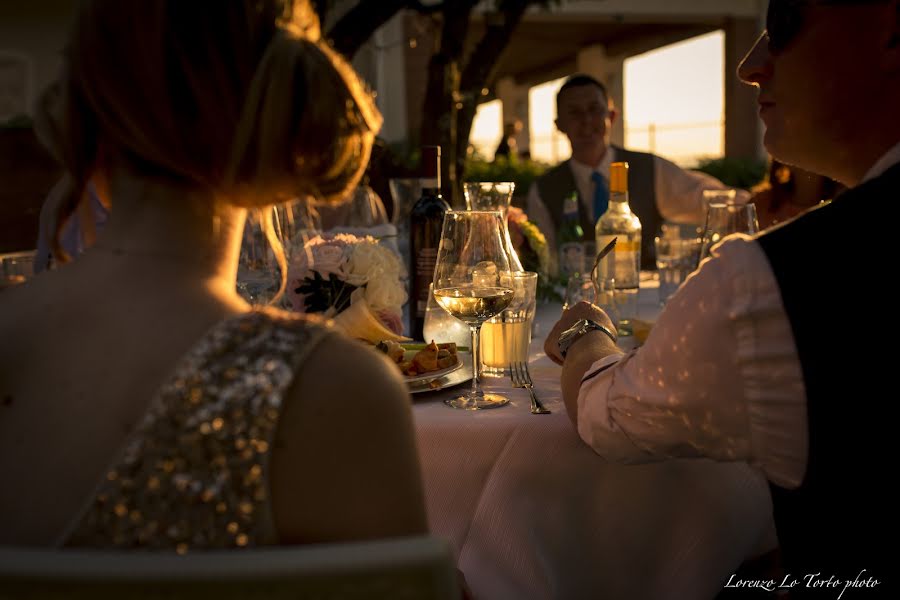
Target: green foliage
x,y
735,172
522,171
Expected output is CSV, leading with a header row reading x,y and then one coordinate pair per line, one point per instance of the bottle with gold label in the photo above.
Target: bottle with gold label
x,y
625,261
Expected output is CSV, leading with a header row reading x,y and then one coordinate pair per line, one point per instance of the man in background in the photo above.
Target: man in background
x,y
659,190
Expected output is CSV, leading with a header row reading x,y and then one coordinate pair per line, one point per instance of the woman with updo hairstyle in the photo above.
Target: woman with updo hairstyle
x,y
143,403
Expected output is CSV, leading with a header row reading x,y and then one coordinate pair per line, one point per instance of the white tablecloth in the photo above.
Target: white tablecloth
x,y
534,513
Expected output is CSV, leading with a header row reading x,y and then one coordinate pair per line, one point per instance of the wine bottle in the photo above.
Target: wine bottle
x,y
426,220
619,222
569,238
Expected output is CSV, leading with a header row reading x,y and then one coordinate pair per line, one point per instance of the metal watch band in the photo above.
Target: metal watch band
x,y
581,327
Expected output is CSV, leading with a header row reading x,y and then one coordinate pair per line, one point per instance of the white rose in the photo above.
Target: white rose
x,y
368,258
327,259
385,292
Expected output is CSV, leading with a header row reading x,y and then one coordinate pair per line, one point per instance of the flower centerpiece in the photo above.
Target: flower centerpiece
x,y
531,246
527,239
353,280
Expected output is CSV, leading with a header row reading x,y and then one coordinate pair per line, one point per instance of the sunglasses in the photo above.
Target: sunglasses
x,y
784,19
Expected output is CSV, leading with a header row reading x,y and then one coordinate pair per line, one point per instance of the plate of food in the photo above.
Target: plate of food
x,y
425,367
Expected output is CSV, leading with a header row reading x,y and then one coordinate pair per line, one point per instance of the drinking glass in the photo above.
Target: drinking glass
x,y
724,196
506,337
362,209
258,276
676,258
472,282
723,219
295,223
490,195
602,293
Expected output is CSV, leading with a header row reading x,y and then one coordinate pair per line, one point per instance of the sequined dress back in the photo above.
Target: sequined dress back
x,y
194,473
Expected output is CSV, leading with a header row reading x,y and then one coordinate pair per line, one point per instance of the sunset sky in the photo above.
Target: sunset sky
x,y
678,88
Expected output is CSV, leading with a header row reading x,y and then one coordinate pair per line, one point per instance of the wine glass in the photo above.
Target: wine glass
x,y
723,219
472,282
259,275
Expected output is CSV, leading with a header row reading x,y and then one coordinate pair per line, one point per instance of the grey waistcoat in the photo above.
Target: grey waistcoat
x,y
558,182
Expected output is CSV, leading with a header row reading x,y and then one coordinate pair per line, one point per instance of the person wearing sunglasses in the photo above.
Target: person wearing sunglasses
x,y
764,355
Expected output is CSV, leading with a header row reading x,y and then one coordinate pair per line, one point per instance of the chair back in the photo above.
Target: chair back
x,y
413,568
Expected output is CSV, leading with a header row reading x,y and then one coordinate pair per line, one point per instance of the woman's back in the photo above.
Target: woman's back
x,y
76,389
228,106
77,371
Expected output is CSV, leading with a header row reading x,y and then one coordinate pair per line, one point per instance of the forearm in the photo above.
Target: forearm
x,y
592,347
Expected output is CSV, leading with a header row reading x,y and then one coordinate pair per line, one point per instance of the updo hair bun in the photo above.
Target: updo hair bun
x,y
239,96
307,127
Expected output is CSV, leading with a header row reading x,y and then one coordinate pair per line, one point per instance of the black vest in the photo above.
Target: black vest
x,y
832,265
558,182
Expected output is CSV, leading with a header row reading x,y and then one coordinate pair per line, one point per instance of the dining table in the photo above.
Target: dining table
x,y
531,511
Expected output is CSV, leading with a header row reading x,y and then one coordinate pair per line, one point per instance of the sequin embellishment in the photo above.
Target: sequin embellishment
x,y
193,473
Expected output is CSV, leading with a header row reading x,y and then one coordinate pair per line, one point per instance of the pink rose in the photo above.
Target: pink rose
x,y
326,255
391,320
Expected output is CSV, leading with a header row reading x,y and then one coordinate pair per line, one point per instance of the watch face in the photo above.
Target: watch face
x,y
568,337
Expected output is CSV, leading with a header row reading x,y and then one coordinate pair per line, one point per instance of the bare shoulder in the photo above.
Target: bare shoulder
x,y
346,433
357,374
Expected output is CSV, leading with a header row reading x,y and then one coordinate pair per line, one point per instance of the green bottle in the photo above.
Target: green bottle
x,y
570,239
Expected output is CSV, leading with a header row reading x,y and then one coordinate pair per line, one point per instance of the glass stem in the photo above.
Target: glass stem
x,y
476,360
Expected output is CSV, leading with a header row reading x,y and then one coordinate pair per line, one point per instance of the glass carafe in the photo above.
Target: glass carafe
x,y
488,195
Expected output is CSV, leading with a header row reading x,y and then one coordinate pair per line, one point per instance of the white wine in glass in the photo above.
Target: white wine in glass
x,y
472,283
474,304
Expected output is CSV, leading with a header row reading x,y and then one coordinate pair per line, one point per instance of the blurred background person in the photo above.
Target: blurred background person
x,y
508,146
788,191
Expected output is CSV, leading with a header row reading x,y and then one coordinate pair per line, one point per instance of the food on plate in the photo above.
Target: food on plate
x,y
394,350
433,357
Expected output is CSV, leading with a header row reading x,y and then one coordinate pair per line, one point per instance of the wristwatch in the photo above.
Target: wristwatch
x,y
581,327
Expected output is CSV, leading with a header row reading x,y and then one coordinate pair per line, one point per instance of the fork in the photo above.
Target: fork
x,y
521,378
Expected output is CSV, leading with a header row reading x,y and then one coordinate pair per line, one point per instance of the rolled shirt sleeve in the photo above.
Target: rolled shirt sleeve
x,y
679,193
718,376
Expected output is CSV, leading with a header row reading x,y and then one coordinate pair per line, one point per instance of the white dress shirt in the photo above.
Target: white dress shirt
x,y
679,193
718,377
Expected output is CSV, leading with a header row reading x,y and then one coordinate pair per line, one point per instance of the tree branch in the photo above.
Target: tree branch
x,y
481,68
353,29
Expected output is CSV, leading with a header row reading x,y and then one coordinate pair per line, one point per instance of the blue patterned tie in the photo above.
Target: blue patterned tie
x,y
601,194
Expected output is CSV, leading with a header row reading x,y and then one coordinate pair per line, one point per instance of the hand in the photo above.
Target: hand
x,y
582,310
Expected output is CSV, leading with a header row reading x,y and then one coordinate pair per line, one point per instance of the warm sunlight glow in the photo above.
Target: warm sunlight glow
x,y
674,106
675,100
487,128
547,144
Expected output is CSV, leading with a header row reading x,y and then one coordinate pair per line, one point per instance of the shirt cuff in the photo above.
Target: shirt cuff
x,y
592,396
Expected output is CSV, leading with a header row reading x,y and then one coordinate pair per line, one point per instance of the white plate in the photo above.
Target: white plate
x,y
430,374
460,373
